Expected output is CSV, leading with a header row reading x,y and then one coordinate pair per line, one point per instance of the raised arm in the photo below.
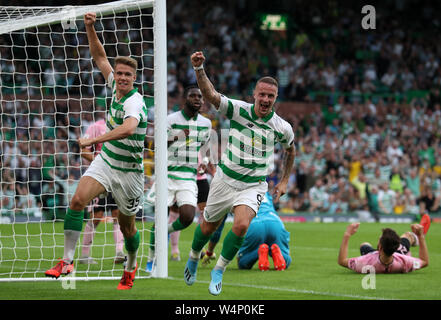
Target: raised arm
x,y
208,91
343,253
96,48
424,252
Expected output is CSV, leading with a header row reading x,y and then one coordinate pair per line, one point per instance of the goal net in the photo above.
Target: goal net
x,y
50,92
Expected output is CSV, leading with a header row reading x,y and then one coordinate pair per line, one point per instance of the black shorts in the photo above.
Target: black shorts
x,y
104,204
203,188
403,248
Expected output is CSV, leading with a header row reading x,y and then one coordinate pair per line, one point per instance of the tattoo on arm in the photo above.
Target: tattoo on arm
x,y
288,162
208,91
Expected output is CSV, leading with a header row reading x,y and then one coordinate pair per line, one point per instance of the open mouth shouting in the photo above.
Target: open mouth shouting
x,y
264,108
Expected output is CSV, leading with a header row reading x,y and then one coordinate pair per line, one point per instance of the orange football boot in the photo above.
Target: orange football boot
x,y
279,260
127,279
61,268
263,257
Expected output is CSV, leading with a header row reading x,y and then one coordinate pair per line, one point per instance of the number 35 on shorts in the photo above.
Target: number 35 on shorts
x,y
134,203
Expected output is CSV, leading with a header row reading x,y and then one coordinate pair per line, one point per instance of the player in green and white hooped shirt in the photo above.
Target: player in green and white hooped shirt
x,y
188,132
119,168
240,181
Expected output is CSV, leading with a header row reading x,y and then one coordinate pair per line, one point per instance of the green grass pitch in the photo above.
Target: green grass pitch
x,y
313,275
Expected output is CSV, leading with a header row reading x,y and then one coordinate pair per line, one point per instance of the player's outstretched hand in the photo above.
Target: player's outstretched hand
x,y
417,229
197,59
352,228
279,190
89,18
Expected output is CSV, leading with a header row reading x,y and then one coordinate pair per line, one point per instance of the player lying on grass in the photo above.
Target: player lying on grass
x,y
393,252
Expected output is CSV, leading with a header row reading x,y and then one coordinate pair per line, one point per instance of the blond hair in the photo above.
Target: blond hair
x,y
127,61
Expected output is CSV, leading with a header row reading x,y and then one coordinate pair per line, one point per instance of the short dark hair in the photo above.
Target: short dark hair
x,y
390,241
269,80
187,89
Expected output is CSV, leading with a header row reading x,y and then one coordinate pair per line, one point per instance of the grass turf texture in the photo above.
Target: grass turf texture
x,y
313,275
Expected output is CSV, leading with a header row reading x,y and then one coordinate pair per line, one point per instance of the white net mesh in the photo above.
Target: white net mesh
x,y
50,93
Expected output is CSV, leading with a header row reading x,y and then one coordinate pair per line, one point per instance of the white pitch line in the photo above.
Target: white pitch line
x,y
293,290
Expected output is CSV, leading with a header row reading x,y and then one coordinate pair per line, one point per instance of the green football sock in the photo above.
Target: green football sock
x,y
199,239
176,226
132,244
231,245
73,220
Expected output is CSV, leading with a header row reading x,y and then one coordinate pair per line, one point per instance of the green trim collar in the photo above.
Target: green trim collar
x,y
254,116
187,117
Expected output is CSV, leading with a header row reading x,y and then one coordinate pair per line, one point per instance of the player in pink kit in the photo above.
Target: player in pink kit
x,y
99,206
393,254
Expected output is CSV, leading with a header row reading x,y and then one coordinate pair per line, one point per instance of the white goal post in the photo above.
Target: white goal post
x,y
50,90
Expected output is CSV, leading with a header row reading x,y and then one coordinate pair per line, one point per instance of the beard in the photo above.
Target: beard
x,y
193,108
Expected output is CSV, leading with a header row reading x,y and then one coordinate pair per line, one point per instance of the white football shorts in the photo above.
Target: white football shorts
x,y
127,188
180,192
222,198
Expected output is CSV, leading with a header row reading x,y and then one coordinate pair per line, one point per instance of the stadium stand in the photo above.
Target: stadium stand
x,y
365,105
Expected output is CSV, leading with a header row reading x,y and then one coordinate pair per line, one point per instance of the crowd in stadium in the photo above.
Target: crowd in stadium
x,y
375,147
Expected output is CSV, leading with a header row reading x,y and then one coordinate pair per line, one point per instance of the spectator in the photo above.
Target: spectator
x,y
388,79
386,199
354,167
318,197
372,201
413,182
341,197
27,203
396,181
428,202
427,153
355,201
360,183
385,168
7,198
410,202
352,124
394,153
53,206
369,165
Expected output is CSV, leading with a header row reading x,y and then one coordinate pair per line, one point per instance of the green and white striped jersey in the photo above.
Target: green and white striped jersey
x,y
125,154
183,153
247,158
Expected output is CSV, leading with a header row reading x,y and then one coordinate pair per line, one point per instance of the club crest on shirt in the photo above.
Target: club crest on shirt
x,y
112,121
